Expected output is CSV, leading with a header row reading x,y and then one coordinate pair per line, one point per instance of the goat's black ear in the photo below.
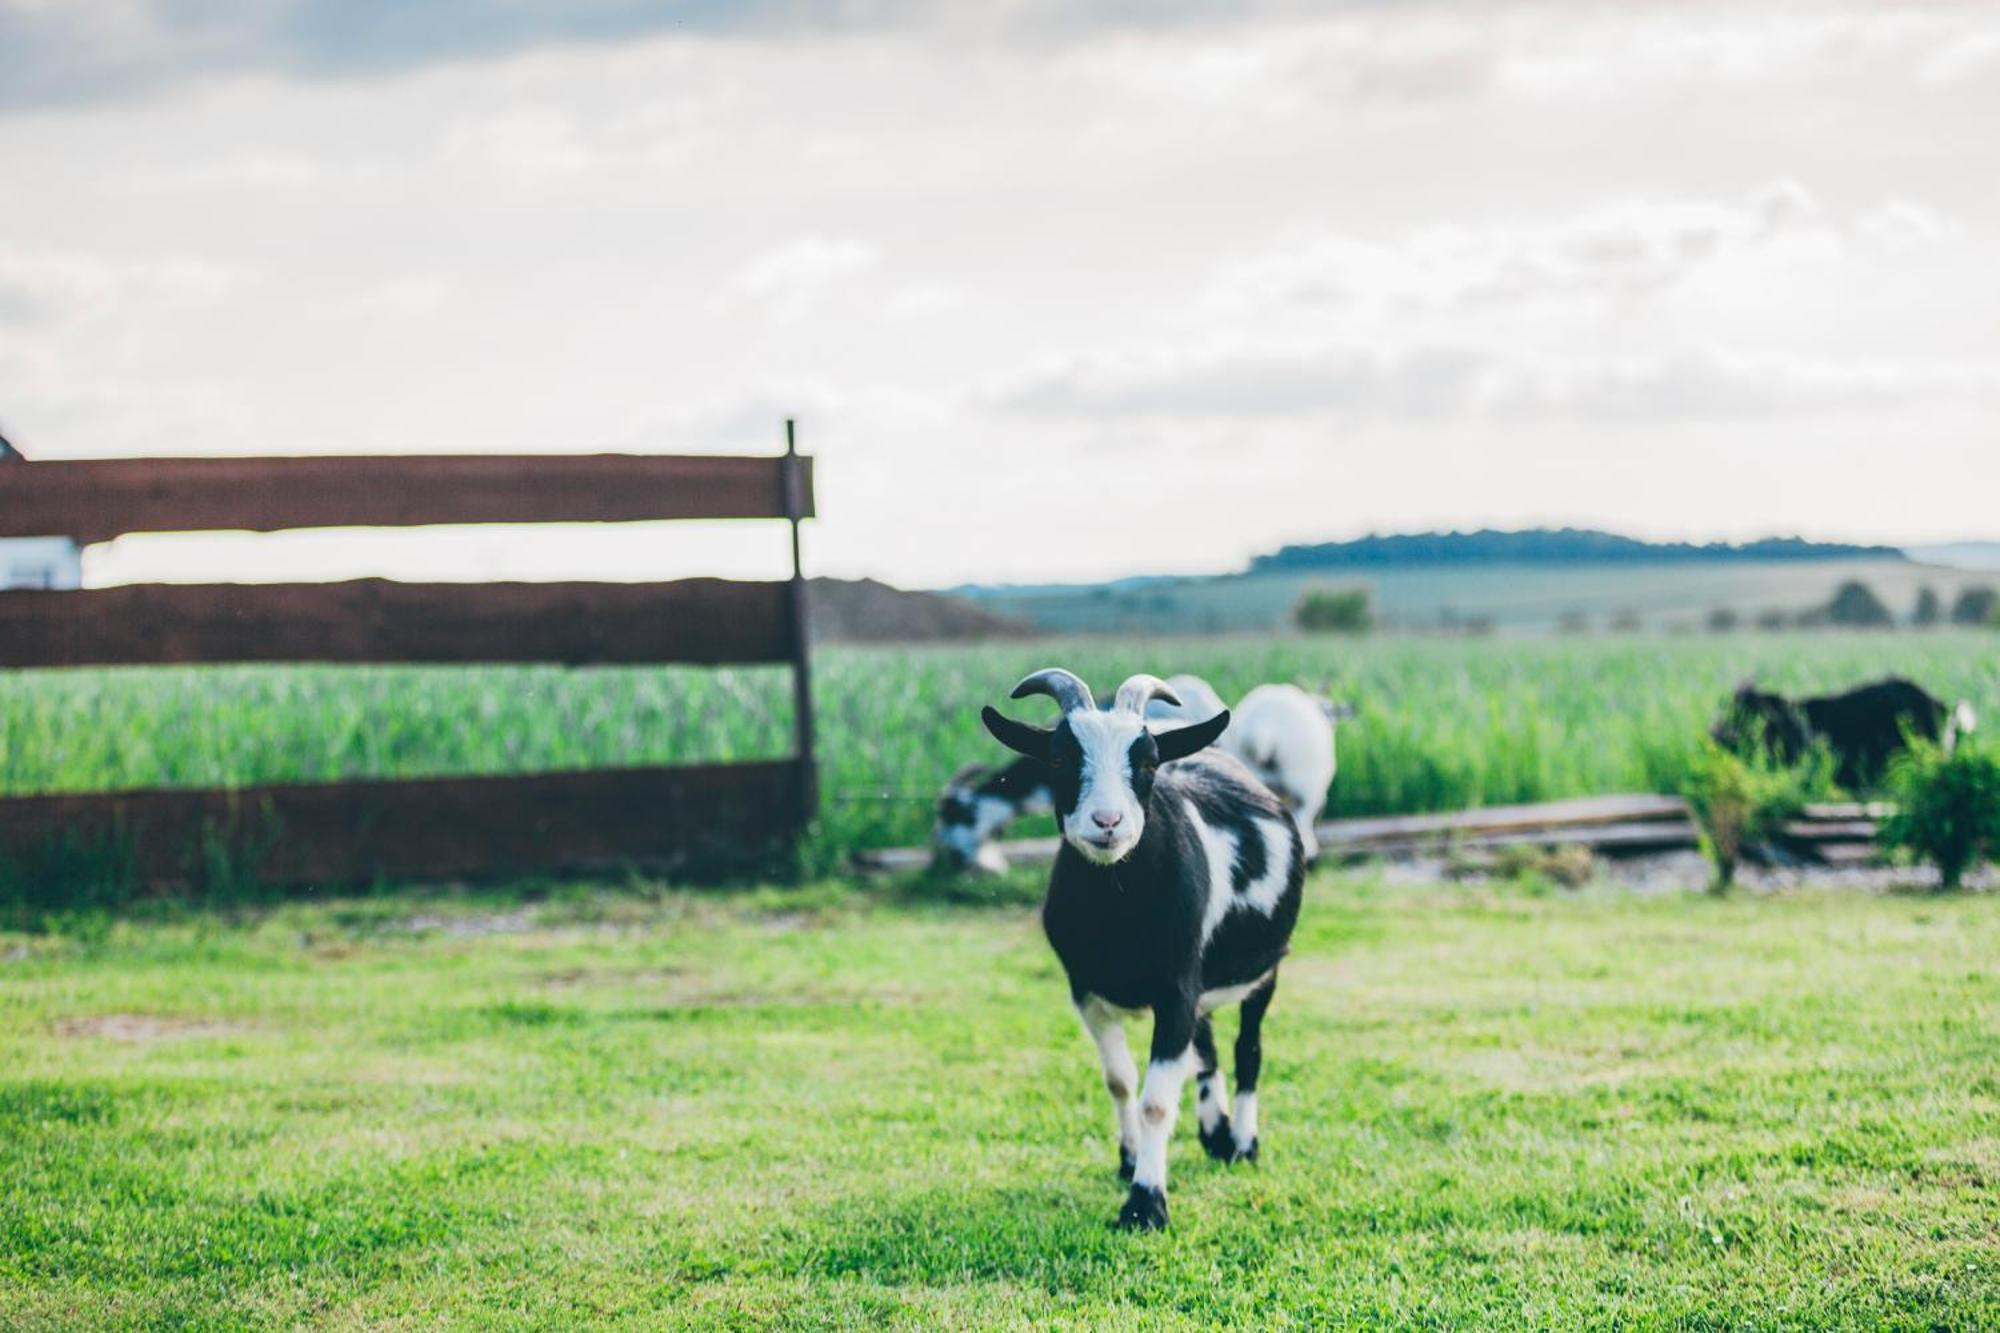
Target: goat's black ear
x,y
1017,736
1184,741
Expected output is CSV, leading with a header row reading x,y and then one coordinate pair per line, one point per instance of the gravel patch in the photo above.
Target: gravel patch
x,y
1688,872
140,1028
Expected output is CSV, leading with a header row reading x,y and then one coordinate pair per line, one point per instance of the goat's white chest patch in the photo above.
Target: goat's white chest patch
x,y
1220,848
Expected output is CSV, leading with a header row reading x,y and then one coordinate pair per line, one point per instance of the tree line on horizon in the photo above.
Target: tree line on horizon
x,y
1545,546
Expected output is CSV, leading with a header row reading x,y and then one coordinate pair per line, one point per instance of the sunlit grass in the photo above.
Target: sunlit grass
x,y
823,1109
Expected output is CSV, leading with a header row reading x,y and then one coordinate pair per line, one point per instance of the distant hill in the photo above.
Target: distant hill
x,y
864,611
1544,546
1959,555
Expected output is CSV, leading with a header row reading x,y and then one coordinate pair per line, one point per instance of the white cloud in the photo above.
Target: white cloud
x,y
924,299
255,170
410,295
530,143
1900,226
1435,381
792,276
1962,59
39,286
1626,250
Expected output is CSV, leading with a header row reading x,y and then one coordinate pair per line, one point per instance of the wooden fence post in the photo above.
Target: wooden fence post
x,y
802,699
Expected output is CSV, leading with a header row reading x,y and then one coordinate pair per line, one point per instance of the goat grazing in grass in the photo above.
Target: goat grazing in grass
x,y
1175,889
976,804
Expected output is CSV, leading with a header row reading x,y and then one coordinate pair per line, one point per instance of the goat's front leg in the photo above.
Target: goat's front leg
x,y
1173,1060
1121,1079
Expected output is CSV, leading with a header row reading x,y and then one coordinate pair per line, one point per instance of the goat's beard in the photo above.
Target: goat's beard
x,y
1102,854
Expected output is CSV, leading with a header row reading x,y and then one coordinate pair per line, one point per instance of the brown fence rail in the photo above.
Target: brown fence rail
x,y
431,827
97,500
427,828
704,621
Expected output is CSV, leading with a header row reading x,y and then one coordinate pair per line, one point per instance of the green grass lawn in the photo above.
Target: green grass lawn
x,y
822,1108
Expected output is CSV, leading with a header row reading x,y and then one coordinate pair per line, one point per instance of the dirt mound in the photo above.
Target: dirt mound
x,y
864,611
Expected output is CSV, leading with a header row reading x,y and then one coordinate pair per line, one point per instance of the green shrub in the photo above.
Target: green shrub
x,y
1334,611
1947,808
1855,603
1737,802
1975,606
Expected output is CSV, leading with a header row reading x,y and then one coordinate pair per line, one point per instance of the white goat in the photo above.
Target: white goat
x,y
1285,737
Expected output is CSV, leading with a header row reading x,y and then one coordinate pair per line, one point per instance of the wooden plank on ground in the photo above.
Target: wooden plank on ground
x,y
1623,809
1830,830
429,828
706,621
1848,853
1621,839
1846,810
95,500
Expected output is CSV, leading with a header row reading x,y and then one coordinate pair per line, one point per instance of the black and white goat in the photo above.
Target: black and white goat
x,y
1175,890
980,801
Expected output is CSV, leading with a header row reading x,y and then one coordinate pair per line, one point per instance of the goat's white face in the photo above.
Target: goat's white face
x,y
1102,802
1100,765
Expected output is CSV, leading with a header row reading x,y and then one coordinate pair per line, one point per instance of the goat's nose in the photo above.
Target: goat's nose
x,y
1106,819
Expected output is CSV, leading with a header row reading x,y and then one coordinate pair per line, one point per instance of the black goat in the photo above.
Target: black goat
x,y
1175,890
1863,728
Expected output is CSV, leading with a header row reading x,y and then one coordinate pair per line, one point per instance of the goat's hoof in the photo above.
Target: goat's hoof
x,y
1239,1153
1221,1145
1145,1210
1127,1164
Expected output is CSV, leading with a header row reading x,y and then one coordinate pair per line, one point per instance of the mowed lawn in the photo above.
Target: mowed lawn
x,y
826,1108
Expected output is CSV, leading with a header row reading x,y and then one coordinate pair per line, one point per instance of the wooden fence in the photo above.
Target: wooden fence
x,y
433,827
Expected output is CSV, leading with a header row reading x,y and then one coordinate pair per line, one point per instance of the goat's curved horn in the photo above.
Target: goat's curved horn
x,y
1139,690
1062,686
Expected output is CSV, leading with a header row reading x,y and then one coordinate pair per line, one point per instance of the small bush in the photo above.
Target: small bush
x,y
1738,802
1930,608
1975,606
1335,611
1855,603
1947,808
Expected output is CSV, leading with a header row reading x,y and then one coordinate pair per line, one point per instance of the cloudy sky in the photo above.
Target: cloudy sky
x,y
1056,290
